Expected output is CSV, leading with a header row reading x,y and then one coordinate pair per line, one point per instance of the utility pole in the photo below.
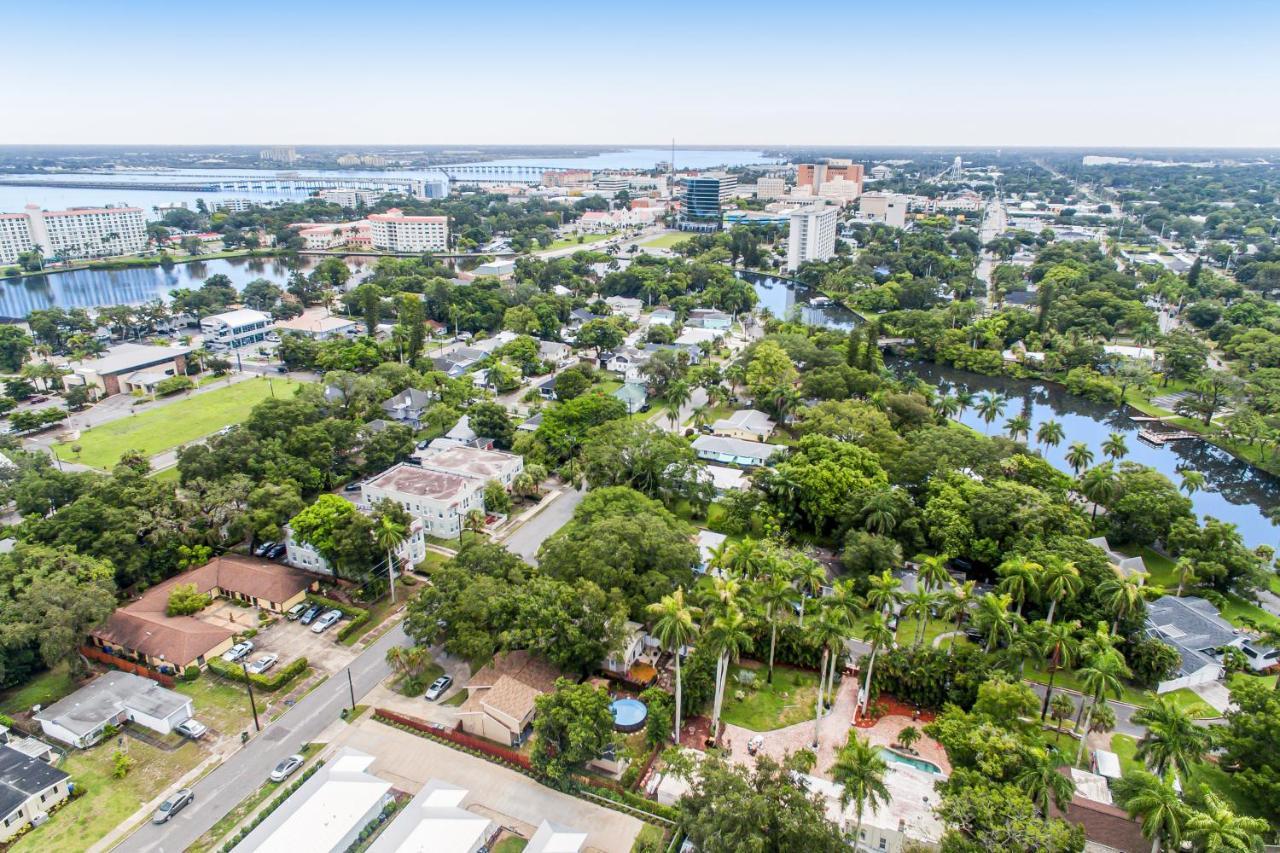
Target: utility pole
x,y
351,688
252,705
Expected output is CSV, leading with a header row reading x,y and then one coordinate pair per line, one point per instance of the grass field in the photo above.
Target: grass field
x,y
219,703
666,241
566,242
167,426
510,844
790,699
44,689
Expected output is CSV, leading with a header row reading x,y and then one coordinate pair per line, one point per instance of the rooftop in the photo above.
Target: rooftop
x,y
469,461
413,480
435,822
551,838
128,357
736,447
239,317
315,324
106,696
749,420
22,777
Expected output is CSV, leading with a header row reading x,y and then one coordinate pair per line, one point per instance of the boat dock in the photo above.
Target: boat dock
x,y
1161,438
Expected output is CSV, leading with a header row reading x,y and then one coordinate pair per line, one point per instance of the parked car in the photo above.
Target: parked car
x,y
261,550
285,768
310,616
324,622
192,728
173,804
277,551
282,369
296,611
37,398
438,687
263,663
238,651
353,487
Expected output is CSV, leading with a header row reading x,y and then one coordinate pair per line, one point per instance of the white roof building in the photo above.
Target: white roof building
x,y
551,838
748,424
735,451
435,822
441,499
327,813
111,699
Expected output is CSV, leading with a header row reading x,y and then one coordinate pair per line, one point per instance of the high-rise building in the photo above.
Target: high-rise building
x,y
957,166
703,199
396,232
352,197
814,175
890,208
771,188
81,232
279,154
812,236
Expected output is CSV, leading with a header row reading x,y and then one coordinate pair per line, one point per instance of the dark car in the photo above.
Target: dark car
x,y
261,550
277,551
282,369
353,487
310,616
173,804
38,398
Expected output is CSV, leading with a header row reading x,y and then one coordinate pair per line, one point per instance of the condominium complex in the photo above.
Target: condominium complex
x,y
396,232
812,236
889,208
566,178
235,328
279,154
81,232
352,197
446,483
814,175
771,188
702,200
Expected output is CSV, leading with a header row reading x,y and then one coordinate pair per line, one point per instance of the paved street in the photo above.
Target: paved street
x,y
526,541
697,398
243,772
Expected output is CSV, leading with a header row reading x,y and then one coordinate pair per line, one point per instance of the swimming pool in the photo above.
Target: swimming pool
x,y
628,714
918,763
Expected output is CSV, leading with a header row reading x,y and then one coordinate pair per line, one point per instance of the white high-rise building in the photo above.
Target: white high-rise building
x,y
771,187
396,232
279,154
82,232
812,236
352,197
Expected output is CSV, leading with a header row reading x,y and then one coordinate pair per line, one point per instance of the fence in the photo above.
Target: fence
x,y
459,737
127,665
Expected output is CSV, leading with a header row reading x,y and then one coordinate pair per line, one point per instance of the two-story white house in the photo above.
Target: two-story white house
x,y
233,329
440,499
302,555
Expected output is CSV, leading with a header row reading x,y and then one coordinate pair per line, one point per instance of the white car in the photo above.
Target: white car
x,y
192,728
285,768
326,621
238,651
263,663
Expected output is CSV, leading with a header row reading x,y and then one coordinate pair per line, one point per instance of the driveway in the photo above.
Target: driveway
x,y
526,540
508,797
293,640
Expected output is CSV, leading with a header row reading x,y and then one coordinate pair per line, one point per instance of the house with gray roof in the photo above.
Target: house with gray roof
x,y
1125,566
28,787
113,699
408,407
1195,630
735,451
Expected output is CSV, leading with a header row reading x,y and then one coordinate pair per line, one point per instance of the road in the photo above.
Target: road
x,y
697,399
242,773
526,541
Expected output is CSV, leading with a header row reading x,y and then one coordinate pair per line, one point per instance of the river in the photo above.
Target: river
x,y
99,288
1234,491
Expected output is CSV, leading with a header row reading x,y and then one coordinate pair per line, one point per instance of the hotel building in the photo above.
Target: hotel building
x,y
396,232
812,236
82,232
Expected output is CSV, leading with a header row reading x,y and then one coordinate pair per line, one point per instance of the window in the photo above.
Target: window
x,y
884,844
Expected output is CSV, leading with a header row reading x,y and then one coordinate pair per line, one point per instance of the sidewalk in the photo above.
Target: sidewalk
x,y
126,826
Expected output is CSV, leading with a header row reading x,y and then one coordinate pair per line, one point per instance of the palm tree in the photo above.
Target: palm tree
x,y
776,596
918,605
744,558
1050,434
1115,447
994,619
1020,578
1019,425
1156,803
860,770
1172,740
1192,482
1061,648
877,632
674,627
390,533
933,572
474,521
959,603
829,631
1099,485
1185,569
1122,596
947,407
728,637
964,399
885,592
1218,829
1079,457
1101,678
678,394
1061,580
990,407
808,575
880,515
1041,781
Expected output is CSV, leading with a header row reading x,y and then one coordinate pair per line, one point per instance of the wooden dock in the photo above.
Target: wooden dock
x,y
1161,438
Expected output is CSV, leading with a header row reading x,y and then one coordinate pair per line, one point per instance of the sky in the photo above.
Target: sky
x,y
1009,73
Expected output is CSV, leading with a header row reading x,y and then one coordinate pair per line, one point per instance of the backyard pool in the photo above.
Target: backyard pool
x,y
918,763
628,714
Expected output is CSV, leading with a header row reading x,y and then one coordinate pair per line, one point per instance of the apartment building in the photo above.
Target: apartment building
x,y
234,205
81,232
279,154
812,236
439,499
235,328
771,188
814,175
396,232
303,555
703,199
352,197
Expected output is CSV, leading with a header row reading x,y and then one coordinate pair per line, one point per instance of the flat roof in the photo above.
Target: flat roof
x,y
420,482
315,324
127,357
469,461
238,316
435,822
736,446
107,695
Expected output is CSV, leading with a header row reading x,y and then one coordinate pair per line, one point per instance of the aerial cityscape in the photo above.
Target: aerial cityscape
x,y
394,457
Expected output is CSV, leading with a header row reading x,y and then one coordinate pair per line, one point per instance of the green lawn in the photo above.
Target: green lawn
x,y
666,241
907,628
108,801
219,703
44,689
790,699
1242,614
380,609
1132,695
1159,567
168,475
510,844
587,240
166,426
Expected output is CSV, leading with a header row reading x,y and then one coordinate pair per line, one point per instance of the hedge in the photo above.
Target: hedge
x,y
270,807
358,615
270,683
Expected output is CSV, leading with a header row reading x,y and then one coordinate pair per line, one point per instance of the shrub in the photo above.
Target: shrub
x,y
173,385
191,673
121,764
184,600
359,616
269,683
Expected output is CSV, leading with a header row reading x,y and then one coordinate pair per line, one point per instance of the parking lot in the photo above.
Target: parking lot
x,y
292,640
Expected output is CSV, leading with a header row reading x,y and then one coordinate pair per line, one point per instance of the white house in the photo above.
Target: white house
x,y
29,787
621,662
551,838
735,451
709,318
441,500
627,306
1125,566
111,699
1197,632
473,462
707,541
302,555
557,352
746,424
435,820
662,317
235,328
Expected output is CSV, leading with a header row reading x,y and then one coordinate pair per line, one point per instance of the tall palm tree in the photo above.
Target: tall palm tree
x,y
959,604
745,558
885,592
1218,829
880,515
1041,781
1156,803
829,632
990,407
808,575
933,572
1060,581
918,604
877,632
1192,482
1115,446
994,619
674,627
1028,642
1122,596
1101,679
947,407
1020,578
390,533
860,770
1050,434
776,596
1172,740
678,395
1018,425
1061,647
1186,572
1079,457
1099,485
964,399
474,521
728,637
